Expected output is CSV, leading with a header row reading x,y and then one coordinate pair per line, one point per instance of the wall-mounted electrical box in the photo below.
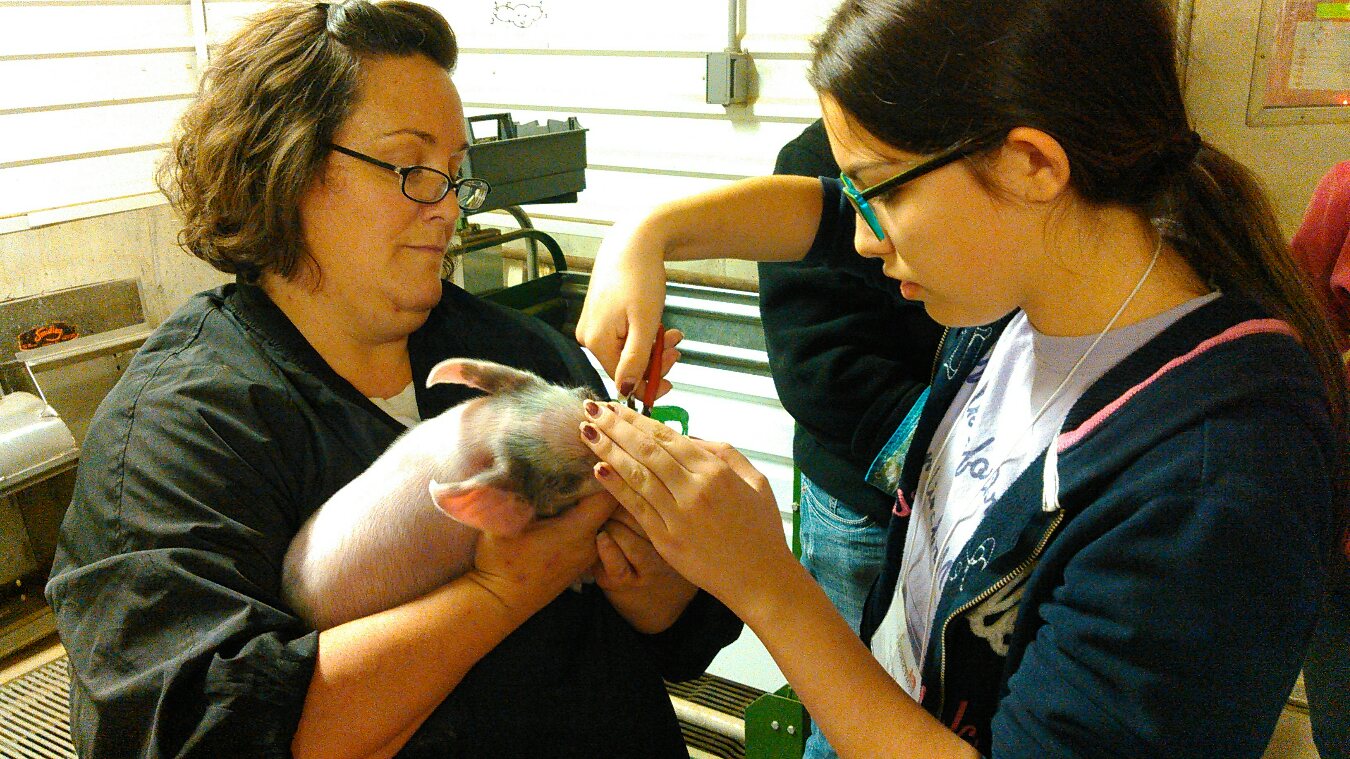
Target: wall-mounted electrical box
x,y
728,80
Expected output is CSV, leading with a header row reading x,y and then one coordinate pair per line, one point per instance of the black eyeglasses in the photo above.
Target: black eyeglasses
x,y
427,185
859,198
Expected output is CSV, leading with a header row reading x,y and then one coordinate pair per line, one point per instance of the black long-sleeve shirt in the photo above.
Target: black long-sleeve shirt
x,y
848,357
226,431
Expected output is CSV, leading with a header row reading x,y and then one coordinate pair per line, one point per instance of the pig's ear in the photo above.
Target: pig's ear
x,y
449,371
484,375
483,507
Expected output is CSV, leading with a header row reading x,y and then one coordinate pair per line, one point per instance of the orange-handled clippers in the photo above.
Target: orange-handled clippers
x,y
654,370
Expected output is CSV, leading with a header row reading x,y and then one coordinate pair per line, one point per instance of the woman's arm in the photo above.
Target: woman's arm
x,y
379,677
712,516
857,704
759,219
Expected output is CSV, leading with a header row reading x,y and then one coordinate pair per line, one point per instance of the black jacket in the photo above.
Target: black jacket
x,y
840,353
226,431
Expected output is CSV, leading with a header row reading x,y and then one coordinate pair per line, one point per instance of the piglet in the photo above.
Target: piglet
x,y
408,524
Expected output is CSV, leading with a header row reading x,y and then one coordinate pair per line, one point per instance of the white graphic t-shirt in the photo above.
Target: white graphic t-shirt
x,y
403,407
984,443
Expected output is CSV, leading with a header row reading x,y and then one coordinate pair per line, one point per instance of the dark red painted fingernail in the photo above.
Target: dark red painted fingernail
x,y
592,409
589,432
603,470
626,387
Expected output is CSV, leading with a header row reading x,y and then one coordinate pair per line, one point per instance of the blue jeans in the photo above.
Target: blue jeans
x,y
843,550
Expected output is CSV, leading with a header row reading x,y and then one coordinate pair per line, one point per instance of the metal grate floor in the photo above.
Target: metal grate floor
x,y
708,744
715,739
726,696
35,714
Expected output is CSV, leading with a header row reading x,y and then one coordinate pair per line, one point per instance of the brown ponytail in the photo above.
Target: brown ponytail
x,y
1220,219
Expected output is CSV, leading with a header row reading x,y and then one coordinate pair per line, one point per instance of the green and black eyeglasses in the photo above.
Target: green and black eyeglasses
x,y
427,185
859,198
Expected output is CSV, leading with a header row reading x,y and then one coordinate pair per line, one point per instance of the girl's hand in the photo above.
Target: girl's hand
x,y
623,305
640,584
708,512
757,219
529,570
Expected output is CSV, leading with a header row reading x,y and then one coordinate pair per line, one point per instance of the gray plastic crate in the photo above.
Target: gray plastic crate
x,y
528,163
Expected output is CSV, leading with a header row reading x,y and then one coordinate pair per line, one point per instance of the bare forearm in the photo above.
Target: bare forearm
x,y
377,678
758,219
861,709
392,748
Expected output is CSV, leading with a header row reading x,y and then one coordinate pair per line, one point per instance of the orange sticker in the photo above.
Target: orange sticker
x,y
50,334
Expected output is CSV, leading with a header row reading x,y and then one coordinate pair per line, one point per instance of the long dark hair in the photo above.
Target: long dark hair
x,y
258,130
923,75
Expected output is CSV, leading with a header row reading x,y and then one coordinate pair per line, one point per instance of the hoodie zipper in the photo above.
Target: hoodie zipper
x,y
937,357
1003,581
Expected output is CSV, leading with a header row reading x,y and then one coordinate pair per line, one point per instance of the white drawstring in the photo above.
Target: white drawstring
x,y
1050,474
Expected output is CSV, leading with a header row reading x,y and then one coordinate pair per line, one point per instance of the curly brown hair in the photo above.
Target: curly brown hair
x,y
258,130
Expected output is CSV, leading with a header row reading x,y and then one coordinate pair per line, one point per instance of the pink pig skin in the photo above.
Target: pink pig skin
x,y
409,523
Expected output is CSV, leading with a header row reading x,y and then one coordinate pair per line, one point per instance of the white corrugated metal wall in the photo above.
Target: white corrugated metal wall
x,y
90,91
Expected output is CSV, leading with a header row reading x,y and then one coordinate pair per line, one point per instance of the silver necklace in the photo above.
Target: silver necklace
x,y
1050,473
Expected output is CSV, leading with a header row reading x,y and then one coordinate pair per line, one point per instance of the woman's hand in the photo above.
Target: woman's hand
x,y
708,512
640,585
527,571
623,305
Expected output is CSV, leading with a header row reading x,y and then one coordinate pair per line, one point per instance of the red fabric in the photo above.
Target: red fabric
x,y
1322,245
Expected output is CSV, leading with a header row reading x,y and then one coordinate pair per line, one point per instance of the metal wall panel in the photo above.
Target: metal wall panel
x,y
52,135
36,187
33,83
37,28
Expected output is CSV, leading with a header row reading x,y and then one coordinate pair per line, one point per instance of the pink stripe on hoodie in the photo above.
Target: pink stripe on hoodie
x,y
1250,327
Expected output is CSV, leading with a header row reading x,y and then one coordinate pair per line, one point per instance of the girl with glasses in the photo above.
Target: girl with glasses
x,y
1115,508
320,166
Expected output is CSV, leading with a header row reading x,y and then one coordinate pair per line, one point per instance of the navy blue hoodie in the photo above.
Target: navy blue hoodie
x,y
1162,605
